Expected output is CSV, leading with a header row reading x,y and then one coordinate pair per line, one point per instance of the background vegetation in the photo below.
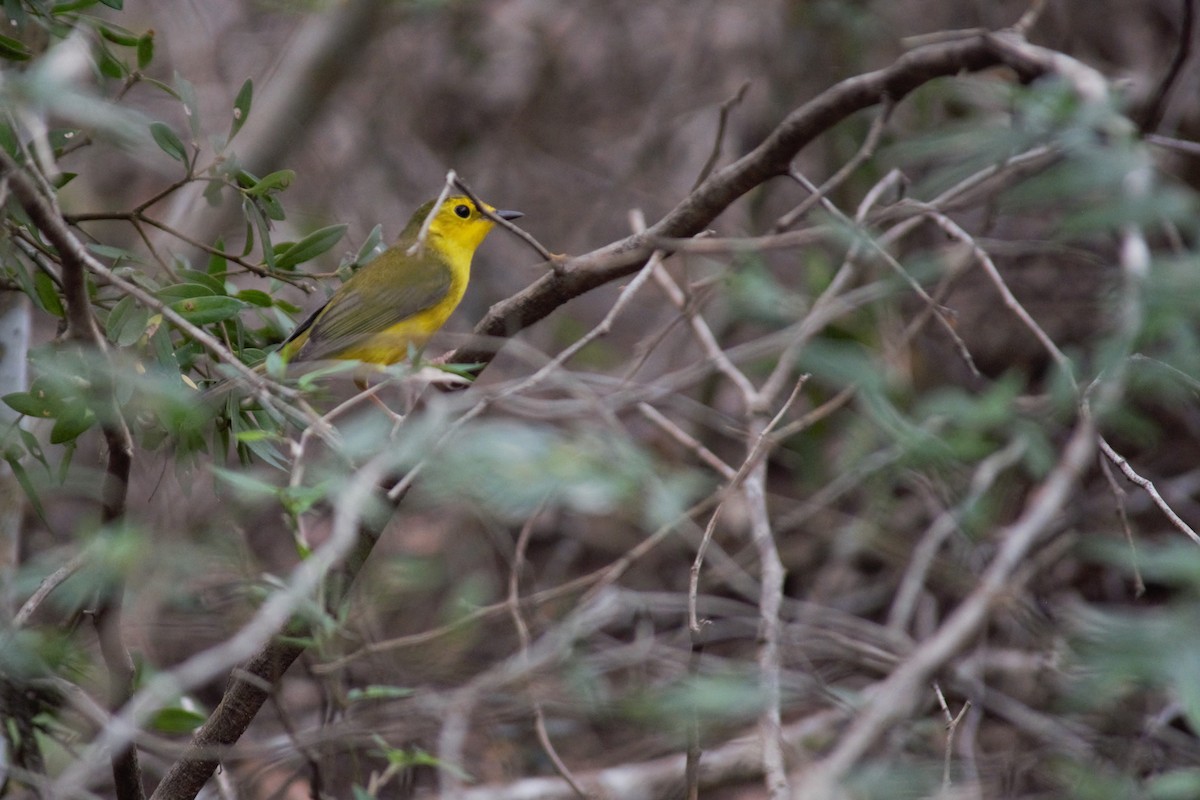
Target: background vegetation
x,y
849,450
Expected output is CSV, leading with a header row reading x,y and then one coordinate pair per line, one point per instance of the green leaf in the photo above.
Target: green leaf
x,y
118,35
207,310
163,347
64,464
267,452
184,291
177,720
217,285
33,447
241,107
108,251
74,420
75,5
170,143
372,247
255,297
377,692
126,322
29,404
47,295
14,50
187,96
166,87
145,50
275,181
217,263
257,435
8,140
61,137
256,221
117,4
309,247
271,207
22,476
110,66
362,794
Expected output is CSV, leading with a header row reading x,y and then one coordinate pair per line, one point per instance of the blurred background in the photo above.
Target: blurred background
x,y
576,113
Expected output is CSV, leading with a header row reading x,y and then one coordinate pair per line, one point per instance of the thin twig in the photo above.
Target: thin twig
x,y
47,587
1148,487
931,305
865,153
900,690
703,333
1157,107
352,502
900,614
952,721
719,137
514,605
423,232
1030,18
509,226
1010,301
687,440
1119,494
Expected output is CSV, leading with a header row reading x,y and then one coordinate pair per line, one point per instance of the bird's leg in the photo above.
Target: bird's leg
x,y
363,384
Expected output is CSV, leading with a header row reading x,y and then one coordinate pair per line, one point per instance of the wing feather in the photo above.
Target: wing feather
x,y
358,311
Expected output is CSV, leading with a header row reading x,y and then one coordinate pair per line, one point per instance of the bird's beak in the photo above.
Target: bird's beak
x,y
508,215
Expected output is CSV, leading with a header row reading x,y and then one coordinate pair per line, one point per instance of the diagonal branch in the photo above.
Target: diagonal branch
x,y
769,160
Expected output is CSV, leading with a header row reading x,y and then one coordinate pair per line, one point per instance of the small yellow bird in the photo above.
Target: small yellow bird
x,y
400,299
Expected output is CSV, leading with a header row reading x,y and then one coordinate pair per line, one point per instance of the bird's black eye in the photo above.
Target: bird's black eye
x,y
463,211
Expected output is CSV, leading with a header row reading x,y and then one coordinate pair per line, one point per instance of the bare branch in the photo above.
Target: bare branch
x,y
899,692
770,159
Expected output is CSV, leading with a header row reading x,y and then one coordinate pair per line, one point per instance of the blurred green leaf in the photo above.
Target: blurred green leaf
x,y
177,720
47,295
255,297
168,141
241,108
33,447
30,404
207,310
218,264
377,692
215,284
309,247
110,66
372,247
118,35
72,421
27,486
126,322
1179,784
275,181
191,108
13,50
183,291
117,4
145,50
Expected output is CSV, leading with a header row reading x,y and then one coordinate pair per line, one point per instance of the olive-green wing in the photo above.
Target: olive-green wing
x,y
375,298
